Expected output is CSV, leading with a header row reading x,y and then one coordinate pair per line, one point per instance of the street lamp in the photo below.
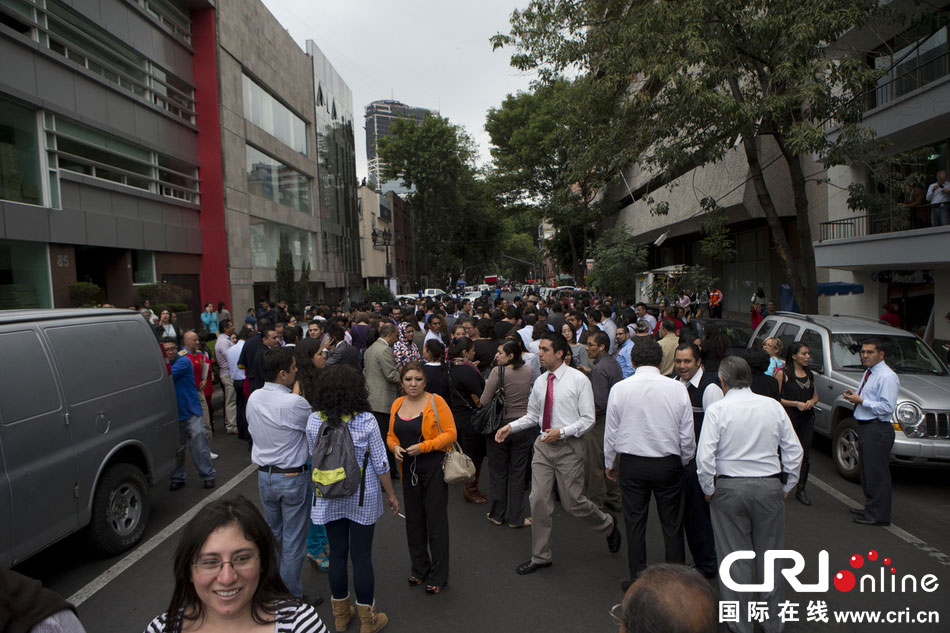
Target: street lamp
x,y
384,238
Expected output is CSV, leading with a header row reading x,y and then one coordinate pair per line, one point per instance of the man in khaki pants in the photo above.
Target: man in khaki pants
x,y
221,347
562,405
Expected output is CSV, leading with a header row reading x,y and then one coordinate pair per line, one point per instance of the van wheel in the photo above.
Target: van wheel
x,y
844,446
120,509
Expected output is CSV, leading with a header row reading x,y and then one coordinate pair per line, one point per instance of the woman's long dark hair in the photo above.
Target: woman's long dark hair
x,y
513,348
462,345
793,349
237,511
436,350
307,375
341,391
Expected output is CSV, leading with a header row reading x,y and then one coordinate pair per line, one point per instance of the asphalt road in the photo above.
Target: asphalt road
x,y
122,594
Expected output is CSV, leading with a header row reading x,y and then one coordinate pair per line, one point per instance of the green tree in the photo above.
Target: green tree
x,y
303,288
286,286
450,198
378,293
687,80
616,258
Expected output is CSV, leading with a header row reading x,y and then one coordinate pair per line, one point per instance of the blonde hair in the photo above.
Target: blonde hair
x,y
778,345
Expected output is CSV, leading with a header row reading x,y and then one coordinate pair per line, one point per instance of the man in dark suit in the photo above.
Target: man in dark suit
x,y
339,351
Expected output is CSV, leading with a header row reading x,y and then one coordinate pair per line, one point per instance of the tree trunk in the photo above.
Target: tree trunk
x,y
807,257
774,222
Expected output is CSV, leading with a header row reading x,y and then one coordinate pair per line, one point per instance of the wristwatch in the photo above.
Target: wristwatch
x,y
561,434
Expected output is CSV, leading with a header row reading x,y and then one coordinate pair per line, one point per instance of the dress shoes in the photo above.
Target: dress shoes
x,y
802,497
614,539
530,567
176,485
209,483
863,521
857,511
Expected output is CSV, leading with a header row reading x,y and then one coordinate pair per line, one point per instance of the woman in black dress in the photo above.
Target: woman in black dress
x,y
465,388
799,396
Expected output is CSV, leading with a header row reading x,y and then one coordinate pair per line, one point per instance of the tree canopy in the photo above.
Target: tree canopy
x,y
681,84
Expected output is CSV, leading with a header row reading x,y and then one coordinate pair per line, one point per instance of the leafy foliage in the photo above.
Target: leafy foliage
x,y
677,84
616,257
83,293
286,286
164,293
378,293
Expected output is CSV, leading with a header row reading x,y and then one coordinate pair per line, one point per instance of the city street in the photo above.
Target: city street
x,y
484,593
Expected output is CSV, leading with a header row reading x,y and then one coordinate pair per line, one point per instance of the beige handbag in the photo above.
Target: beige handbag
x,y
458,468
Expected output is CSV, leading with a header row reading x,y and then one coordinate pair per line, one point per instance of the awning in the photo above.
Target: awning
x,y
828,289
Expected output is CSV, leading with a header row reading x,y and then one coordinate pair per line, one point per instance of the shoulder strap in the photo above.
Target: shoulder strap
x,y
436,412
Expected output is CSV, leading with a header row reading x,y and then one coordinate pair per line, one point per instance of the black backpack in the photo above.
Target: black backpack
x,y
335,472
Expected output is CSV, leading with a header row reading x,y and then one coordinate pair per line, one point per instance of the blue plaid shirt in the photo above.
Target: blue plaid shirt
x,y
364,430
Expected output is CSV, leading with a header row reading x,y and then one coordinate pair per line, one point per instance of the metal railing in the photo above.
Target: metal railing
x,y
864,225
896,85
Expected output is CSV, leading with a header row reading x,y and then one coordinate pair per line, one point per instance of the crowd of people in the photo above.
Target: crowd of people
x,y
604,406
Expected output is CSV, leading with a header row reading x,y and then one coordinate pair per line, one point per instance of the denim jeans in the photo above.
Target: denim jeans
x,y
192,432
284,498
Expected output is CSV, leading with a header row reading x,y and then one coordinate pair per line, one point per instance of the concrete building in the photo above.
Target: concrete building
x,y
379,119
339,261
384,212
900,257
105,108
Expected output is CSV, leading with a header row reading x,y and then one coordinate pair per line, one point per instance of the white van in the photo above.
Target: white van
x,y
88,422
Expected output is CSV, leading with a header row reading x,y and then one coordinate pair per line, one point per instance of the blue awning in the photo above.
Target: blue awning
x,y
828,288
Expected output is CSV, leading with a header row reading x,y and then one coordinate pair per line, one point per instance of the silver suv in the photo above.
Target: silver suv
x,y
921,419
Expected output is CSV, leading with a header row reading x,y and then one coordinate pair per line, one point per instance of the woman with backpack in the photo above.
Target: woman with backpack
x,y
340,400
421,430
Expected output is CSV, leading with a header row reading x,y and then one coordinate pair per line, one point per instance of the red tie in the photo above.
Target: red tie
x,y
867,374
548,404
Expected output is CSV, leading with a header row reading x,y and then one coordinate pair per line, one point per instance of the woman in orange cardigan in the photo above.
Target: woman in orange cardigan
x,y
417,443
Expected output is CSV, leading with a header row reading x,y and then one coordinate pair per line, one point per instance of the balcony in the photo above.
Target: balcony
x,y
902,239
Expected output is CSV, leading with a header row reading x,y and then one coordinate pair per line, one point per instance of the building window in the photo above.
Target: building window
x,y
170,17
20,172
143,267
269,114
271,179
268,238
911,60
77,148
24,275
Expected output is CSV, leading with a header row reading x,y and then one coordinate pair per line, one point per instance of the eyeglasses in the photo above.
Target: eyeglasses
x,y
616,612
242,562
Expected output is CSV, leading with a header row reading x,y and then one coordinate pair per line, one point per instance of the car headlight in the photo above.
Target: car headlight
x,y
910,418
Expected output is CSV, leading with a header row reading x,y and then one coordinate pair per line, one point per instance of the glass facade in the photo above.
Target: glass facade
x,y
271,179
267,113
268,238
143,267
20,175
912,60
24,275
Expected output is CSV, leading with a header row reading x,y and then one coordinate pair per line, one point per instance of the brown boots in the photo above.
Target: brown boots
x,y
370,620
470,491
343,613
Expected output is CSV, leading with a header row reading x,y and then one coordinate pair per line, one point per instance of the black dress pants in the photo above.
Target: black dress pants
x,y
241,409
426,498
507,466
875,440
382,420
697,522
663,477
805,430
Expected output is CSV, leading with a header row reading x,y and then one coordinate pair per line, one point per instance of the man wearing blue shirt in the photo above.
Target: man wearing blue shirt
x,y
624,345
190,425
874,404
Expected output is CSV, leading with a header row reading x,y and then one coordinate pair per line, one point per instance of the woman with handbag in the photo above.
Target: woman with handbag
x,y
466,385
421,430
508,461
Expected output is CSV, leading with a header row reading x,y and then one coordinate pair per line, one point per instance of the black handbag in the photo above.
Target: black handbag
x,y
489,417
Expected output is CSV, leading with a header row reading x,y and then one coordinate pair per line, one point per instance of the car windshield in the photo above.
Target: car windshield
x,y
903,354
738,335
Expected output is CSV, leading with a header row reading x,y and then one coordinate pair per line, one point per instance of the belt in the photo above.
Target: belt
x,y
775,476
873,420
277,469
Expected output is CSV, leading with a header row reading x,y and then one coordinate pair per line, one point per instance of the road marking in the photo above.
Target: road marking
x,y
900,533
139,552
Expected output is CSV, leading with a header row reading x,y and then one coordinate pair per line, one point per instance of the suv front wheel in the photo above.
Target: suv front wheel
x,y
844,446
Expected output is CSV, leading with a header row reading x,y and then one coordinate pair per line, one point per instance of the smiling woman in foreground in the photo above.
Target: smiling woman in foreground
x,y
227,578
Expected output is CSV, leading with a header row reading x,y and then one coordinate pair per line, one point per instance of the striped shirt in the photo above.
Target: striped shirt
x,y
290,617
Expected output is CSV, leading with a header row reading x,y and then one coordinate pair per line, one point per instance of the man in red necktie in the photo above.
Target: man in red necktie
x,y
562,405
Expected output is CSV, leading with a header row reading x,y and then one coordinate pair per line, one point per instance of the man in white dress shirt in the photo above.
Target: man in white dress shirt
x,y
277,421
562,405
648,440
739,470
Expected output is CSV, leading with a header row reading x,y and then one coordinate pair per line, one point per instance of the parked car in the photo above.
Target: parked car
x,y
921,419
88,422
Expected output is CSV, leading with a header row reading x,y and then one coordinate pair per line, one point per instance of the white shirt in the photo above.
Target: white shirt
x,y
525,334
610,328
935,194
233,354
277,421
741,437
649,318
221,347
713,391
573,408
648,415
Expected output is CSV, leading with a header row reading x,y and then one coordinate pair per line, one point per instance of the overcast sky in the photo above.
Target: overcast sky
x,y
428,53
